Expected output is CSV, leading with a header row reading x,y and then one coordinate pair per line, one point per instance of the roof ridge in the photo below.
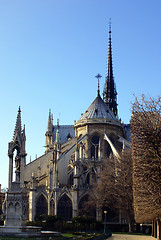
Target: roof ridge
x,y
65,125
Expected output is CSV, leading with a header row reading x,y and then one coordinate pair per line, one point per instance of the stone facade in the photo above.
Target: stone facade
x,y
60,181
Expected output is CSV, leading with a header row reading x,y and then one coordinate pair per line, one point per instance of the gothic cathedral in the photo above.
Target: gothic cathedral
x,y
61,181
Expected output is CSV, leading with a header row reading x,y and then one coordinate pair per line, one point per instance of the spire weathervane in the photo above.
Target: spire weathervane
x,y
98,76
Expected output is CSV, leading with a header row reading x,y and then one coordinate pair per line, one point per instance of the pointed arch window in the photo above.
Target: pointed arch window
x,y
95,146
41,206
65,207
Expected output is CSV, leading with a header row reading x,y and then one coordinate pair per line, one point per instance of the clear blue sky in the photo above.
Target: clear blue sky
x,y
51,50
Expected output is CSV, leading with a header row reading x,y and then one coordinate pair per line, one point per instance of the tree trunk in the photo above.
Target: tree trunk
x,y
152,233
158,229
155,229
130,225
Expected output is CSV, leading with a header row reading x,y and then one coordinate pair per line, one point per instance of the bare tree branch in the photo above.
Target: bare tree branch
x,y
114,188
146,153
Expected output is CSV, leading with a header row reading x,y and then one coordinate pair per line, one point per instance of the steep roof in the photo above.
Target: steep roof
x,y
98,110
66,132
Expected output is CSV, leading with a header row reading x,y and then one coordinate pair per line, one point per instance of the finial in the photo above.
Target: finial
x,y
98,77
110,25
19,109
57,122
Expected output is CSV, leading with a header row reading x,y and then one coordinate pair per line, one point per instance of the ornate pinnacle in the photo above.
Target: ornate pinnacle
x,y
18,127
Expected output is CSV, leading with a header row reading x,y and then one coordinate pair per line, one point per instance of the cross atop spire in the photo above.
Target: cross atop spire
x,y
109,93
98,77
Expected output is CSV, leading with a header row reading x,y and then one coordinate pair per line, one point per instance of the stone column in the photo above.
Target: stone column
x,y
81,151
10,174
49,213
75,203
51,174
32,196
32,205
56,204
22,171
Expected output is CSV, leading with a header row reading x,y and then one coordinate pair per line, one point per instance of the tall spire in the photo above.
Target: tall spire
x,y
109,93
18,127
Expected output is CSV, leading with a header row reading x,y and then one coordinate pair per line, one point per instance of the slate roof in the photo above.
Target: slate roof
x,y
98,110
66,131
